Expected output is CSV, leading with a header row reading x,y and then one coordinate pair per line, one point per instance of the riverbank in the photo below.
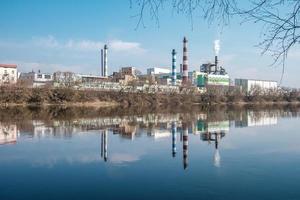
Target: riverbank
x,y
16,96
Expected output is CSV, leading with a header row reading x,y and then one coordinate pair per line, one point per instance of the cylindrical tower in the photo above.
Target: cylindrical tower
x,y
174,139
185,62
102,63
173,67
181,69
185,145
216,64
105,61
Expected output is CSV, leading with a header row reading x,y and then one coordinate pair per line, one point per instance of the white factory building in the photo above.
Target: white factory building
x,y
247,85
36,79
158,70
8,74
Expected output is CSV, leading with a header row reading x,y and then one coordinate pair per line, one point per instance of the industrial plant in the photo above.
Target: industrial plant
x,y
130,79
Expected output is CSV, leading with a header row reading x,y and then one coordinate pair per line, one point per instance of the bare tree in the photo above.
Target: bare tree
x,y
279,19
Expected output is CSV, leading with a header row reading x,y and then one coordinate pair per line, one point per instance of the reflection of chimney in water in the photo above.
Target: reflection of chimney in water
x,y
102,141
185,145
105,145
174,139
181,134
217,157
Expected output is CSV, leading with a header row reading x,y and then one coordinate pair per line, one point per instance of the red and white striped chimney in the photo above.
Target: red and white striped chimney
x,y
185,62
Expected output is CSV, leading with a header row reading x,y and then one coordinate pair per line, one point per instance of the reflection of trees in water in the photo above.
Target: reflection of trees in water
x,y
63,121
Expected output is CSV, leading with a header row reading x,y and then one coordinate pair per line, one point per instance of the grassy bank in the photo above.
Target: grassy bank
x,y
18,95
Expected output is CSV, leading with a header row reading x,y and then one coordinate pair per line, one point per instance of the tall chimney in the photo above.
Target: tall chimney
x,y
216,63
105,61
174,67
102,63
185,62
181,69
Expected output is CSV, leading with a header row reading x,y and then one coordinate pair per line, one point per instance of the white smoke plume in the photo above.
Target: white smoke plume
x,y
217,47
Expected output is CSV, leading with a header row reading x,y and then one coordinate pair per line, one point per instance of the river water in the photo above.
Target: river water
x,y
79,153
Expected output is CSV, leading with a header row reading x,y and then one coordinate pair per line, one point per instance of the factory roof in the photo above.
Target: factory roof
x,y
91,76
8,65
255,79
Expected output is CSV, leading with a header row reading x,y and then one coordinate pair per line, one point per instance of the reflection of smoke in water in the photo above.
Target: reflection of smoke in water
x,y
217,158
217,47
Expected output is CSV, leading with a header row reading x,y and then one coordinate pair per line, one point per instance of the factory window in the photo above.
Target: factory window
x,y
47,76
5,71
13,71
40,76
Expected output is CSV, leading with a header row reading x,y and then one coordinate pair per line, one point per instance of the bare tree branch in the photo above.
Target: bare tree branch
x,y
279,19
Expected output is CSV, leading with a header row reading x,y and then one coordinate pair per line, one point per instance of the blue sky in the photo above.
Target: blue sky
x,y
67,35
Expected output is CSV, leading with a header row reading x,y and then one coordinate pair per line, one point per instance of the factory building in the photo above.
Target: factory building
x,y
125,75
247,85
65,79
8,74
212,73
36,79
68,79
158,70
202,79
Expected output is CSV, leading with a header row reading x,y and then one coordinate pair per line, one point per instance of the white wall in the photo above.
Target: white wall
x,y
8,75
264,85
157,70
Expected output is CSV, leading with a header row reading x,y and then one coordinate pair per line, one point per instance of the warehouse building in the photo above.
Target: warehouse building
x,y
247,85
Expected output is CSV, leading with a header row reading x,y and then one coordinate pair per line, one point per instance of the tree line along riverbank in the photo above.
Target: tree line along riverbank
x,y
18,95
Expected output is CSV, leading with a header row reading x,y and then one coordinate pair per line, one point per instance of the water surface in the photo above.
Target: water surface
x,y
245,153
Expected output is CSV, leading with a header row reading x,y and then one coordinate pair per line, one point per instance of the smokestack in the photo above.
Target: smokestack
x,y
105,61
185,145
185,62
181,69
102,63
216,63
174,67
174,139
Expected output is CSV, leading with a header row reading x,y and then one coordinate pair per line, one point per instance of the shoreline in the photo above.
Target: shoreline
x,y
111,104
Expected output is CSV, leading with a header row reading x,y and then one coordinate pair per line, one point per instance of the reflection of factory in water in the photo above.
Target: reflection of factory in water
x,y
179,128
8,133
213,133
251,118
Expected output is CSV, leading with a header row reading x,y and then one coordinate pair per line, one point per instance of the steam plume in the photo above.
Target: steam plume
x,y
217,47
